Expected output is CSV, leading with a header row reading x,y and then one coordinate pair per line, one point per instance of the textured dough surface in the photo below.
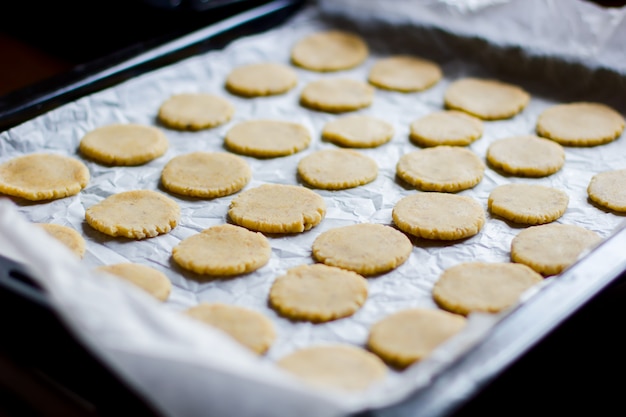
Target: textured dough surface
x,y
331,50
448,127
358,131
526,156
67,236
336,95
608,189
405,73
151,280
267,138
528,203
195,111
337,169
263,79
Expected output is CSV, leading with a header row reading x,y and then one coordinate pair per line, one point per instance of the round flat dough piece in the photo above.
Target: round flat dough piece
x,y
408,336
136,214
206,174
264,79
550,248
526,156
448,127
365,248
277,208
358,131
580,124
608,189
223,250
67,236
151,280
337,169
405,73
336,95
267,138
341,367
248,327
485,98
195,111
318,293
528,203
483,287
331,50
41,176
441,168
439,216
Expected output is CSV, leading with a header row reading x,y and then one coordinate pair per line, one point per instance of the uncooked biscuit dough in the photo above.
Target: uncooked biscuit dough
x,y
439,216
484,287
331,50
318,293
195,111
580,124
358,131
530,204
408,336
136,214
277,208
151,280
448,127
441,168
267,138
608,189
206,174
223,250
336,95
405,73
526,156
264,79
42,176
550,248
67,236
337,169
365,248
485,98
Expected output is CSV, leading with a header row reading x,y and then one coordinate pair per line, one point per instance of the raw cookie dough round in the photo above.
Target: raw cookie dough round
x,y
206,174
485,98
195,111
336,95
358,131
404,73
448,127
483,287
441,168
365,248
267,138
136,214
439,216
318,293
608,189
526,156
580,124
341,367
528,203
223,250
550,248
263,79
151,280
67,236
277,208
42,176
337,169
408,336
248,327
331,50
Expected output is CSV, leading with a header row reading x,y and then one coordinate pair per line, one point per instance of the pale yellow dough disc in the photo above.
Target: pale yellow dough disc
x,y
580,124
439,216
485,98
405,73
337,169
448,127
483,287
331,50
526,156
41,176
151,280
318,293
336,95
358,131
341,367
195,111
264,79
441,168
408,336
248,327
608,189
364,248
277,208
267,138
67,236
550,248
223,250
528,203
206,174
136,214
